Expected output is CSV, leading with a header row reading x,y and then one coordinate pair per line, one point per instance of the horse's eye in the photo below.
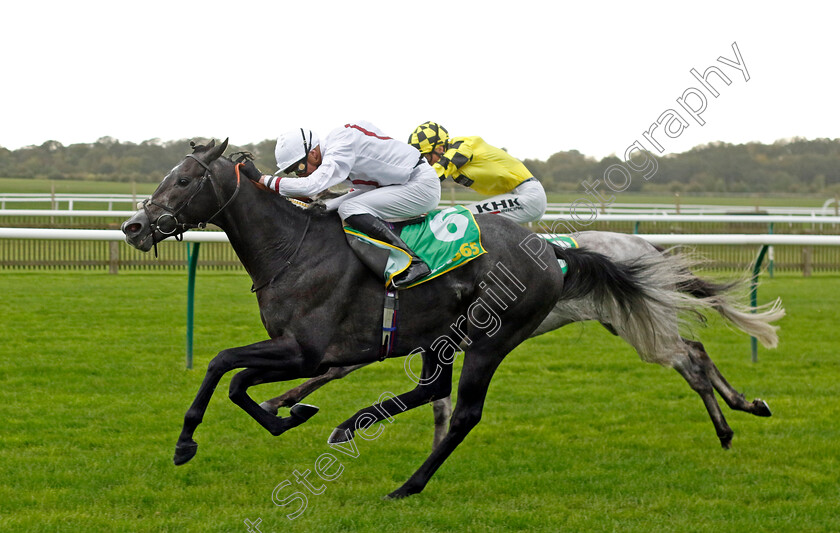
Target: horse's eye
x,y
184,181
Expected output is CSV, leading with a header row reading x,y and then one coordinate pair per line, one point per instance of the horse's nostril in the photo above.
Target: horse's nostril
x,y
132,228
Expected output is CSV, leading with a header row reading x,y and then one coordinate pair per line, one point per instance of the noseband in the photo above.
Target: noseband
x,y
170,215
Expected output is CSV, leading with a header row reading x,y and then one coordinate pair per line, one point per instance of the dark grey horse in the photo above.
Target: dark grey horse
x,y
322,308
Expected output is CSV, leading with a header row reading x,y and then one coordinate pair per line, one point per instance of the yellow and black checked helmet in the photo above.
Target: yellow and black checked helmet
x,y
427,136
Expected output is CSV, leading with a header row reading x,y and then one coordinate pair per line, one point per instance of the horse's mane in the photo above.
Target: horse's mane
x,y
274,198
308,211
279,199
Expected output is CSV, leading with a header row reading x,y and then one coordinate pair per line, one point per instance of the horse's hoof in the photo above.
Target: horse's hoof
x,y
726,441
340,435
269,408
399,494
761,408
184,452
303,411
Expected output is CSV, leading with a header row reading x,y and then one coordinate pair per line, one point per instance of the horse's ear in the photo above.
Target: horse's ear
x,y
202,147
214,152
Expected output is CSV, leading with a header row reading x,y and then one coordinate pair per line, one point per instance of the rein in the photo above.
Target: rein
x,y
209,175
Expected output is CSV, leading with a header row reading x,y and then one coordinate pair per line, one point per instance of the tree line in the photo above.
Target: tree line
x,y
786,166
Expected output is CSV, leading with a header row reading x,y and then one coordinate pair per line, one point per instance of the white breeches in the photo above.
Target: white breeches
x,y
419,195
525,203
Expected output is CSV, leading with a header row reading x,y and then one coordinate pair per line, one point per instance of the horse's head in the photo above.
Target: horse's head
x,y
185,199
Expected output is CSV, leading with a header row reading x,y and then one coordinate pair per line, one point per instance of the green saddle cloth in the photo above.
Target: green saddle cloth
x,y
444,240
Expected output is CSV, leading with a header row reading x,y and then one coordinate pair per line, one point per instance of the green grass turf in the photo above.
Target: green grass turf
x,y
18,185
577,433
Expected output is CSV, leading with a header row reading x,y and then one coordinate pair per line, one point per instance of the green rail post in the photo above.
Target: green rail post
x,y
770,258
192,260
754,295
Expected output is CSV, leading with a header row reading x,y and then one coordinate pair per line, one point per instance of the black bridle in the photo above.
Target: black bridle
x,y
175,227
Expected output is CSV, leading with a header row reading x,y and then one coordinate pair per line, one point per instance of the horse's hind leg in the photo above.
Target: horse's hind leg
x,y
733,398
691,370
435,383
475,379
295,395
443,412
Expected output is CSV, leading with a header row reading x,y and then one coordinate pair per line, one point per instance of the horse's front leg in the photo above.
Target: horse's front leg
x,y
239,385
280,355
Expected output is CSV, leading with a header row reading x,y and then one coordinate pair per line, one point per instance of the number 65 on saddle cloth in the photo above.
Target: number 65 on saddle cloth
x,y
445,239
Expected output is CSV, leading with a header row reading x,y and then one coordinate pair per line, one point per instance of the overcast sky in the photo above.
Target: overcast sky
x,y
534,77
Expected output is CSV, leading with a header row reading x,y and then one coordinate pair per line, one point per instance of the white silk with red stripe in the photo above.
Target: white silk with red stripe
x,y
359,153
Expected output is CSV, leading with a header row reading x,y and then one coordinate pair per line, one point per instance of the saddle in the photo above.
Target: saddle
x,y
444,239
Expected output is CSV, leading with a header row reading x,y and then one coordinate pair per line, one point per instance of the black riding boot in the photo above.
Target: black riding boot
x,y
377,229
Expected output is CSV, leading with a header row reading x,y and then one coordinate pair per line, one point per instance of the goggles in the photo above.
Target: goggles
x,y
299,167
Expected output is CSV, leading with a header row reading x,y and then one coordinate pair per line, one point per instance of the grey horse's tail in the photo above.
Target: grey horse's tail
x,y
721,297
622,294
756,321
594,274
649,300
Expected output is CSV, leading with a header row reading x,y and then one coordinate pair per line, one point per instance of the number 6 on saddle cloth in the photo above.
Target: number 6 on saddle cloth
x,y
445,239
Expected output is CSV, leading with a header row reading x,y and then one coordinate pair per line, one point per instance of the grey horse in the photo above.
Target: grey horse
x,y
688,357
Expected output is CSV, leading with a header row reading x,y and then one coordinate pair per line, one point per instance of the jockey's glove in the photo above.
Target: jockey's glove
x,y
250,171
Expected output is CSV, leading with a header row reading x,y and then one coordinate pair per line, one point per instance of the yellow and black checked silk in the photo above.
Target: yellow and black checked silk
x,y
428,135
475,164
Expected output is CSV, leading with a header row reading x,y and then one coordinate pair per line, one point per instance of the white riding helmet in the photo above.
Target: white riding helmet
x,y
292,146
